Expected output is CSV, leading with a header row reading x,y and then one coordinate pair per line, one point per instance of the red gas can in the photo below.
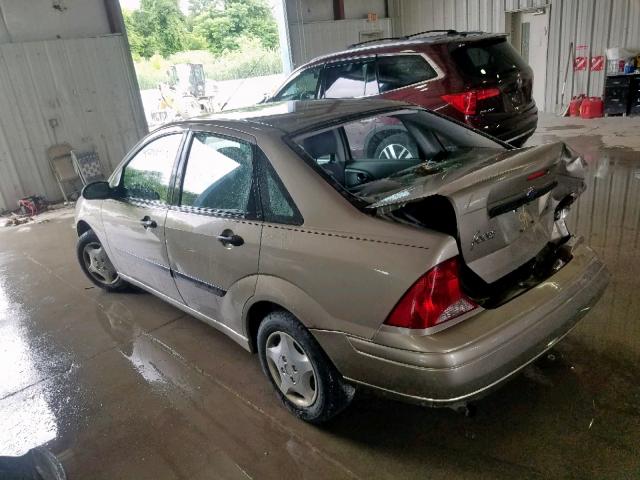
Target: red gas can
x,y
592,107
574,106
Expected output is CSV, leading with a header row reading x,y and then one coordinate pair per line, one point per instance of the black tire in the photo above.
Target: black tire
x,y
401,140
332,393
86,240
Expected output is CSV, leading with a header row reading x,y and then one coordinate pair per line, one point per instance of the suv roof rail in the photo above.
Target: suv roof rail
x,y
407,37
385,39
448,32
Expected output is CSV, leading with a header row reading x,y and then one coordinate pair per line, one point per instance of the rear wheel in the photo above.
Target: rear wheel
x,y
96,264
304,378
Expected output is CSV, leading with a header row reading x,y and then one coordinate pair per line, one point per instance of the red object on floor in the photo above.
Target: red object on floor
x,y
32,205
574,106
592,107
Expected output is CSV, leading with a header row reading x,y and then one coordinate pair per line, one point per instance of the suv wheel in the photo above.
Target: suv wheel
x,y
304,378
396,146
96,264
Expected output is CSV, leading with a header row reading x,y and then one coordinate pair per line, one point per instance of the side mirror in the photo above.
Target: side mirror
x,y
97,191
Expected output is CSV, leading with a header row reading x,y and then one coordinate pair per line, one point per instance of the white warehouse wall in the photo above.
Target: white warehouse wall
x,y
310,40
62,66
415,16
29,20
354,9
314,32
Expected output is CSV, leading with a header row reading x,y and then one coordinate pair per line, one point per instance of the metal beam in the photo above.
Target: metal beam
x,y
338,9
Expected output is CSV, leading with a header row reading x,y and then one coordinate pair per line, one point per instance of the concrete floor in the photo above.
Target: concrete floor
x,y
125,386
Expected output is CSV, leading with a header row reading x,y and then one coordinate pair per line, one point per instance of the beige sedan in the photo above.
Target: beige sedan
x,y
432,272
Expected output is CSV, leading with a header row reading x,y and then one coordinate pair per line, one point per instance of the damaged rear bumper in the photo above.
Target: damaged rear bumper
x,y
469,359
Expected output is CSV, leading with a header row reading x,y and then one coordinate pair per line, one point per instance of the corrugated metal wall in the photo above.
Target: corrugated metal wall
x,y
419,15
309,40
596,24
84,84
515,5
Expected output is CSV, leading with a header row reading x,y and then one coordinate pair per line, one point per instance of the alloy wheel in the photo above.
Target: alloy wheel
x,y
395,151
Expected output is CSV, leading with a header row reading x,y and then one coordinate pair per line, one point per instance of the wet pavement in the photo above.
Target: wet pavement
x,y
126,386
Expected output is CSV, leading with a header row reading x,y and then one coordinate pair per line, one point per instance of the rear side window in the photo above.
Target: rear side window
x,y
277,205
488,59
303,87
348,80
400,71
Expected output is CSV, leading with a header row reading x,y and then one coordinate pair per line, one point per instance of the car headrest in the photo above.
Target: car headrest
x,y
321,144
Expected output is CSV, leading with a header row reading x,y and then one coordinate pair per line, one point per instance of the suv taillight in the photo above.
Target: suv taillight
x,y
433,299
467,102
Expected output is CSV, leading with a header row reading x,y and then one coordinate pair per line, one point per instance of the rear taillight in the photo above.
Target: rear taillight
x,y
467,102
434,299
536,175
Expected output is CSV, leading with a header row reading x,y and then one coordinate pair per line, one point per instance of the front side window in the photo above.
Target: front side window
x,y
303,87
219,175
348,80
402,70
147,176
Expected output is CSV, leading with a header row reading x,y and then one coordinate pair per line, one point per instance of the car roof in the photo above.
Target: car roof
x,y
402,43
295,116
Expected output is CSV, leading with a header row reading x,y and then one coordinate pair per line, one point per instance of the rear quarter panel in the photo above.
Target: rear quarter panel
x,y
342,269
342,281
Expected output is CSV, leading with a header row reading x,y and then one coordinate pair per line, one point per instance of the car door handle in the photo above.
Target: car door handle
x,y
146,222
227,238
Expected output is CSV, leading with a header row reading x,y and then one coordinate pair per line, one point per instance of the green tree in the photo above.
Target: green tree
x,y
217,30
197,7
135,39
219,26
158,26
223,23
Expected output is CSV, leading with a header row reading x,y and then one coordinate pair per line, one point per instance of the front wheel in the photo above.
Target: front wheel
x,y
96,264
304,378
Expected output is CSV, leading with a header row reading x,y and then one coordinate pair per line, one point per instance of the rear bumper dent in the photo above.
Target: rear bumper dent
x,y
447,376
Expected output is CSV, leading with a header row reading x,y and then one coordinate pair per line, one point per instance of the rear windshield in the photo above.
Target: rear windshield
x,y
362,155
488,58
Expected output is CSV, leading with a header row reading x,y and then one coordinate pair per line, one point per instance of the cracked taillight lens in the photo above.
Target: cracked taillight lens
x,y
433,299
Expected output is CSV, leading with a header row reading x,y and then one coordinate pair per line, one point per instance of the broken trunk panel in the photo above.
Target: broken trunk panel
x,y
503,207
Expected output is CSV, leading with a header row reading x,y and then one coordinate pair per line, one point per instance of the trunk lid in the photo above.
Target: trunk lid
x,y
505,202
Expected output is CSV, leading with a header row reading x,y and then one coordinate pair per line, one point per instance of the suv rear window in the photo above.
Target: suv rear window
x,y
488,58
402,70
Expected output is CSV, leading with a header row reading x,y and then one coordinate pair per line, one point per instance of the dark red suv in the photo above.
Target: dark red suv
x,y
474,77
